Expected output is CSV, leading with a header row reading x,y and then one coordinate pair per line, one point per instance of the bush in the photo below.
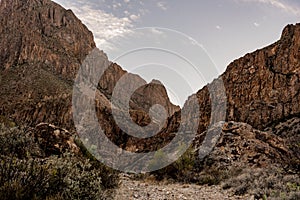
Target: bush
x,y
17,142
21,179
7,122
182,170
26,174
67,177
265,183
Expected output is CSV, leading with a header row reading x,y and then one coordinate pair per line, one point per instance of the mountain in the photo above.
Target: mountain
x,y
255,102
42,48
260,94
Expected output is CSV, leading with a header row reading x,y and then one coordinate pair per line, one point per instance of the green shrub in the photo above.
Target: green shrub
x,y
181,170
25,172
7,122
23,179
18,142
159,159
66,176
269,183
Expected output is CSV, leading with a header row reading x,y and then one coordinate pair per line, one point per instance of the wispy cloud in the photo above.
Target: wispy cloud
x,y
280,4
162,5
134,17
104,26
218,27
256,24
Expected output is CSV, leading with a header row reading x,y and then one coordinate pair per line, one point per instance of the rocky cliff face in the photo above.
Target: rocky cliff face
x,y
41,31
262,87
144,97
42,47
262,90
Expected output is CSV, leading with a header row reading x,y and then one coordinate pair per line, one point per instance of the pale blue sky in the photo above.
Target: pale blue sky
x,y
226,29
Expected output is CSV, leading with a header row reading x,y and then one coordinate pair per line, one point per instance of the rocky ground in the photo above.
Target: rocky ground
x,y
151,190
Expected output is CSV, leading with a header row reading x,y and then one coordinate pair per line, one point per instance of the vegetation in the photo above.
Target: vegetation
x,y
181,170
268,183
25,173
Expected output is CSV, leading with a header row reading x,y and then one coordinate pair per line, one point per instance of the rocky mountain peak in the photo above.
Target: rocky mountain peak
x,y
41,31
290,30
42,47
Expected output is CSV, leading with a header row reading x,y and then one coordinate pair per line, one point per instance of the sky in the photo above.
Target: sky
x,y
183,43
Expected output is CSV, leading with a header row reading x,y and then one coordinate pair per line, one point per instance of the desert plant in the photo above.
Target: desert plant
x,y
22,179
181,170
269,183
68,177
26,174
159,159
18,142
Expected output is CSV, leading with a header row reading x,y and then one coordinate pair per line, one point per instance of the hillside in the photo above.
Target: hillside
x,y
246,121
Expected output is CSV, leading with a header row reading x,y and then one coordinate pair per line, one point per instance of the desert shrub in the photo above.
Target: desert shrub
x,y
75,178
67,176
159,159
21,179
17,142
181,170
213,176
26,174
4,121
188,169
109,177
269,183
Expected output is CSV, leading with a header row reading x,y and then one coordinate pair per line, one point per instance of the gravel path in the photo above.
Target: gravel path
x,y
150,190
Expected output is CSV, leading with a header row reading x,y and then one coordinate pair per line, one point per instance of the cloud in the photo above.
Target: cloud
x,y
280,4
156,31
117,5
104,26
218,27
134,17
256,24
162,5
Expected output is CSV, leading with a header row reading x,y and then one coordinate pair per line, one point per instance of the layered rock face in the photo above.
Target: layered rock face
x,y
262,90
262,87
42,48
43,32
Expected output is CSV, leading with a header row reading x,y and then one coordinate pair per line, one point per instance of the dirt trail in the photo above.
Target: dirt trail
x,y
150,190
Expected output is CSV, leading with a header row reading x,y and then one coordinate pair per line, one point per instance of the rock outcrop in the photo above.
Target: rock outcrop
x,y
42,47
42,32
263,87
241,146
54,140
